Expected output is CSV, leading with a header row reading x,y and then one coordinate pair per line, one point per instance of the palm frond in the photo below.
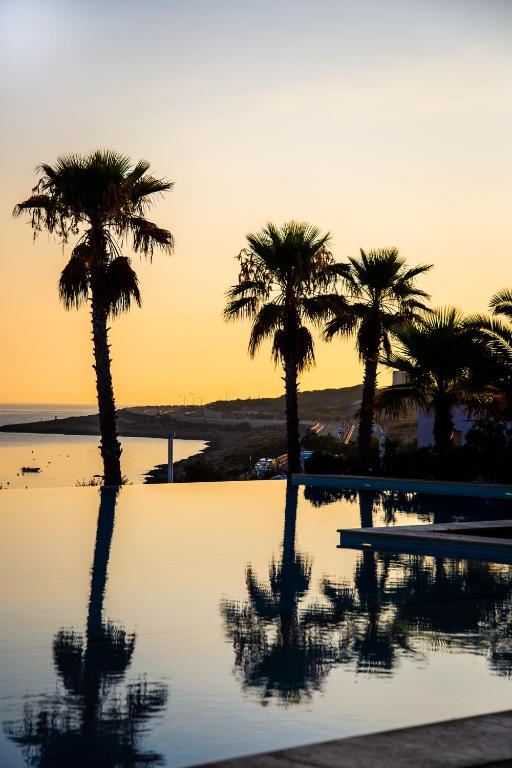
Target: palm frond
x,y
256,288
147,236
305,349
397,401
146,186
139,170
317,308
501,303
413,272
74,283
300,349
340,325
42,202
243,307
267,321
122,286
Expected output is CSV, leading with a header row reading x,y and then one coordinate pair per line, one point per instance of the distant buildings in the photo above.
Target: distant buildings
x,y
399,377
425,424
425,428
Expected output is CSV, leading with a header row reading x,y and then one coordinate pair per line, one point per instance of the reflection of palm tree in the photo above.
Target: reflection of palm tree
x,y
442,509
91,724
413,603
319,496
279,648
425,506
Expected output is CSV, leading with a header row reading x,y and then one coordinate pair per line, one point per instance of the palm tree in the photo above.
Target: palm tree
x,y
285,273
441,356
101,199
382,293
498,338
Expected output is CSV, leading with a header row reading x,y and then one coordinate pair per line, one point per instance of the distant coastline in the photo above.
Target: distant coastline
x,y
231,449
237,432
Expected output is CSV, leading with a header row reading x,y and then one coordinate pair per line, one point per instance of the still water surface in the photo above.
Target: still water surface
x,y
66,460
178,624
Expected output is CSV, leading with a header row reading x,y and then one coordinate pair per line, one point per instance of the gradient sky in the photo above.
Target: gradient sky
x,y
387,123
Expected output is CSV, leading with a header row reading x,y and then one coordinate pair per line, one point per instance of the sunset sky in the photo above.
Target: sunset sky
x,y
386,123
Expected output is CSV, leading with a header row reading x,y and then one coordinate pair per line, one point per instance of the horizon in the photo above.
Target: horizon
x,y
384,125
180,405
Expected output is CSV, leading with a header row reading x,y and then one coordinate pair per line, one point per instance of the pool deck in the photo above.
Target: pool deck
x,y
441,539
474,741
365,483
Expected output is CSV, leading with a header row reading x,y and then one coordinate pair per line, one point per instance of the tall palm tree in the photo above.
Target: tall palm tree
x,y
285,272
441,357
101,199
382,293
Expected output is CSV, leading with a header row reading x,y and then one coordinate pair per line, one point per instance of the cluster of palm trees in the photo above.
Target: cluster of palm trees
x,y
288,281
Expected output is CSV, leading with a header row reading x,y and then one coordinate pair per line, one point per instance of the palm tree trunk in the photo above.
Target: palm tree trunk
x,y
292,417
443,426
364,436
110,448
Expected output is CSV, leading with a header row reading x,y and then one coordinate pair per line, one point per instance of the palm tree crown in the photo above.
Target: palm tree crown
x,y
382,293
101,198
285,273
282,272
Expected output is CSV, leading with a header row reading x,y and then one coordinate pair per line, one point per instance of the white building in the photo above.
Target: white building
x,y
425,429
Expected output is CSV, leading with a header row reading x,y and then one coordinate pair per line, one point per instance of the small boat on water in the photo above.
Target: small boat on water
x,y
30,469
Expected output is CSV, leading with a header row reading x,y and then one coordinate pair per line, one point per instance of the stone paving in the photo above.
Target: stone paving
x,y
484,741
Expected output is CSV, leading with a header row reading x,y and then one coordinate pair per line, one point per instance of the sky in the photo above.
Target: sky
x,y
384,123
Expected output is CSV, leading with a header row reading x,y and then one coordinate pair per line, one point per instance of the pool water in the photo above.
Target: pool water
x,y
174,625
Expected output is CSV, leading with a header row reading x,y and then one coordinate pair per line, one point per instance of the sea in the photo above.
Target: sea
x,y
67,460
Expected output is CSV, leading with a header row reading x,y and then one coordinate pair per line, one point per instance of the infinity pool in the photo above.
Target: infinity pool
x,y
174,625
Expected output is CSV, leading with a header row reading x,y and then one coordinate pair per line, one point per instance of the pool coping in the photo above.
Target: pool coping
x,y
440,538
439,487
484,740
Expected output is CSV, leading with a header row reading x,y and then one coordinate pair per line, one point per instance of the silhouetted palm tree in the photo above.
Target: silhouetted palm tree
x,y
91,724
498,337
440,356
382,293
283,273
102,200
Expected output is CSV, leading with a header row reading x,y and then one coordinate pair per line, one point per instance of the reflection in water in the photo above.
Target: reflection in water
x,y
394,607
278,649
414,604
88,721
319,496
430,508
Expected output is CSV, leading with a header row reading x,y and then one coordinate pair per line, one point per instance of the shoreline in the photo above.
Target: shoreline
x,y
230,453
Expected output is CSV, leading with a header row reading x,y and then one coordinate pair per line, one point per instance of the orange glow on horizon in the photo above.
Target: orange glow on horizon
x,y
386,126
